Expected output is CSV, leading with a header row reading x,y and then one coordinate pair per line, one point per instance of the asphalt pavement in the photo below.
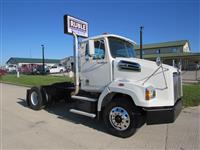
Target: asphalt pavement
x,y
57,128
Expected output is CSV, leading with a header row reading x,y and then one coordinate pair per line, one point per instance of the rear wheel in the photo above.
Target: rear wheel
x,y
119,118
36,98
48,97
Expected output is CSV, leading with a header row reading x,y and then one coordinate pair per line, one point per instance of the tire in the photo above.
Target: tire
x,y
113,122
61,71
36,98
48,101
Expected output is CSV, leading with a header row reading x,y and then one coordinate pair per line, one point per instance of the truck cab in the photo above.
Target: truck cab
x,y
113,84
114,65
96,70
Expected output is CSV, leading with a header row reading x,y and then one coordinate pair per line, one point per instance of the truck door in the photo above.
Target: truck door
x,y
95,70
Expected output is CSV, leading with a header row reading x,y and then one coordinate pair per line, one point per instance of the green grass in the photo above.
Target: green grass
x,y
191,93
33,80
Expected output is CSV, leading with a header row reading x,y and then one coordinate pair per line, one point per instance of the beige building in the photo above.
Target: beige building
x,y
165,48
171,53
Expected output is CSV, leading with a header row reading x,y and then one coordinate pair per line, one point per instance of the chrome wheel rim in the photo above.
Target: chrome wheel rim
x,y
119,118
34,98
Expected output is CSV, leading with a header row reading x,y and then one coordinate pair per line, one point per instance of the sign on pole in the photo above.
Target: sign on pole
x,y
72,24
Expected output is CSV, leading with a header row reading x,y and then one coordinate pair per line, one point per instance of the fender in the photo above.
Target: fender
x,y
129,88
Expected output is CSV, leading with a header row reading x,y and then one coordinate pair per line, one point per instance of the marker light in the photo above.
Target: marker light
x,y
150,93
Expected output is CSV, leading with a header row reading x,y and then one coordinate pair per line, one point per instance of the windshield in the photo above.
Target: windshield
x,y
121,48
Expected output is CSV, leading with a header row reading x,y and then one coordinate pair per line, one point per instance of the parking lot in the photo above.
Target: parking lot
x,y
56,128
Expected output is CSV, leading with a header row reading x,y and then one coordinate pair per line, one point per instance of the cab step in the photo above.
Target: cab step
x,y
79,112
84,98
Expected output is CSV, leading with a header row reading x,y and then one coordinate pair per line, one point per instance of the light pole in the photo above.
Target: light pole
x,y
141,29
43,71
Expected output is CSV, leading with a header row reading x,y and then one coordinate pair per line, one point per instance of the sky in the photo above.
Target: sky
x,y
25,25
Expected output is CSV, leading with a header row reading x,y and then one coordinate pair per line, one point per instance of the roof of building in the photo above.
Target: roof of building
x,y
162,44
15,60
172,55
68,58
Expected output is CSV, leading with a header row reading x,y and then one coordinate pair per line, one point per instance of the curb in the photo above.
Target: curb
x,y
5,82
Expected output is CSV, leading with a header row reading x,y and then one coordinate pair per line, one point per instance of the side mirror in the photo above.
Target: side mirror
x,y
158,61
91,47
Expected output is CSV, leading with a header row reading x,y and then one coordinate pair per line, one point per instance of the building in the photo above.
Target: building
x,y
171,53
33,61
68,62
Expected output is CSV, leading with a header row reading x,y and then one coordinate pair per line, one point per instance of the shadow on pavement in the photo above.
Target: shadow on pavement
x,y
61,110
22,102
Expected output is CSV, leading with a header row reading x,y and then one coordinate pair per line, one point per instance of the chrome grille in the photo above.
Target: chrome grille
x,y
177,86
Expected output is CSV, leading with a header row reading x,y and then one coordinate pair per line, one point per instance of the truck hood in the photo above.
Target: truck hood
x,y
147,73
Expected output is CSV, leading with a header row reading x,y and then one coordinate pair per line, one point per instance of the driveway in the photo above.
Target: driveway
x,y
56,128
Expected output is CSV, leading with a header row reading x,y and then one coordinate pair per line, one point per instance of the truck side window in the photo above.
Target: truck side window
x,y
99,49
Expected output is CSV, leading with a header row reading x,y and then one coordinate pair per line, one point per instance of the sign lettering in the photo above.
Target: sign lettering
x,y
75,25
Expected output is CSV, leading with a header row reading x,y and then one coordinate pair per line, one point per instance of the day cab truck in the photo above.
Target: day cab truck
x,y
112,85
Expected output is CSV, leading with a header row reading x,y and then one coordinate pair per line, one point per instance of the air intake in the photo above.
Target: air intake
x,y
127,65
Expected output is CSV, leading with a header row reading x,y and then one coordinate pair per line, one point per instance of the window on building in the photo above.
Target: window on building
x,y
137,52
174,50
158,51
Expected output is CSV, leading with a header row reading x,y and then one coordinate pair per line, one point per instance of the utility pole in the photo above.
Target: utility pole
x,y
30,53
43,59
141,29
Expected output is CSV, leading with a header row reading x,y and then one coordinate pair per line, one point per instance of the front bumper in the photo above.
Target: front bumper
x,y
164,114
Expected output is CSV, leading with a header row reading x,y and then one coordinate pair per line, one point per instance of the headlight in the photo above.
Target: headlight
x,y
150,93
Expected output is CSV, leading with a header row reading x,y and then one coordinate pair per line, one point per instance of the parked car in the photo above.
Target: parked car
x,y
39,70
28,68
2,72
57,69
11,68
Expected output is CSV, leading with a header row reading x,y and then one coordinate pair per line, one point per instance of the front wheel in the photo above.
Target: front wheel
x,y
120,119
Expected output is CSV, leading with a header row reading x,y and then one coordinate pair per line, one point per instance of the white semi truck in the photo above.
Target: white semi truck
x,y
112,85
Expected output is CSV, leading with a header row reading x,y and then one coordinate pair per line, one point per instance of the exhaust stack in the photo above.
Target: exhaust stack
x,y
76,70
76,27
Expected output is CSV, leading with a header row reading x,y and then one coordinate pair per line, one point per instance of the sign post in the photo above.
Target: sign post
x,y
77,28
18,71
